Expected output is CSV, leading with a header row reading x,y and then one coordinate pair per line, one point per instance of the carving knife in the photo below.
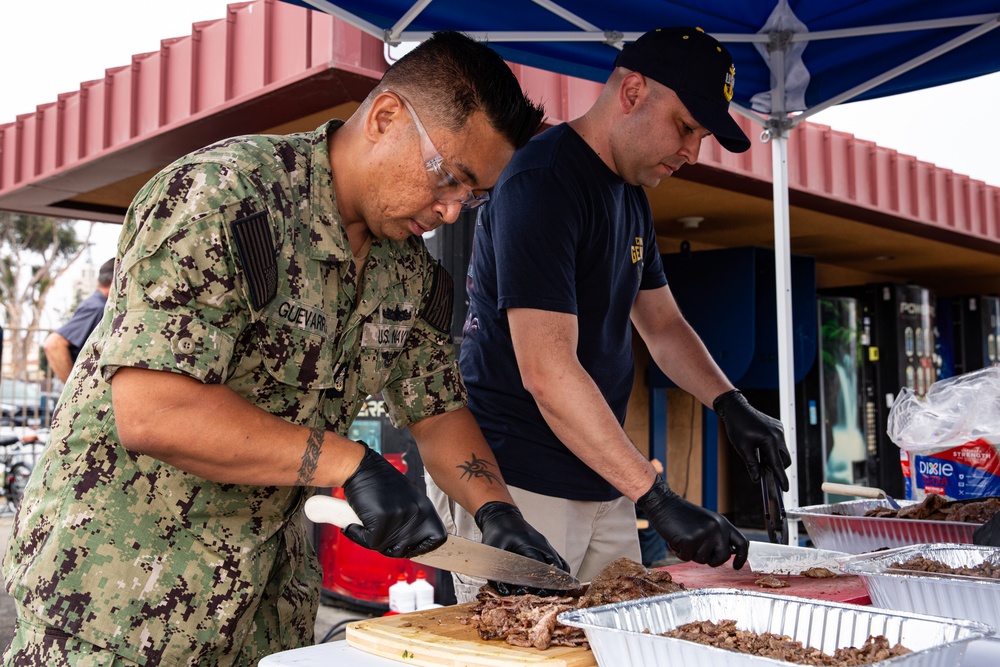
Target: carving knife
x,y
458,554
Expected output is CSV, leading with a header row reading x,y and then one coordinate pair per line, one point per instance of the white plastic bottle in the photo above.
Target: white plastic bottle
x,y
401,596
423,591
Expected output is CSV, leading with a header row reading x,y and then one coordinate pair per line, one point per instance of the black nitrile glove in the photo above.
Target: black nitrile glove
x,y
399,521
504,527
988,534
692,532
751,431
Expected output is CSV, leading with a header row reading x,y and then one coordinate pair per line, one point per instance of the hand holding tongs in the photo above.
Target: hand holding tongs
x,y
774,507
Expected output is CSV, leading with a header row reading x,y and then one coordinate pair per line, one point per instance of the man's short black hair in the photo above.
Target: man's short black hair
x,y
451,76
106,274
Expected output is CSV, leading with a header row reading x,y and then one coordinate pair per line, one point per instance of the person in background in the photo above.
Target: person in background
x,y
564,264
63,345
265,287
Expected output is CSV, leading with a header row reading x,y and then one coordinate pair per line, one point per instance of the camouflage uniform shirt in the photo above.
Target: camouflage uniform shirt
x,y
233,268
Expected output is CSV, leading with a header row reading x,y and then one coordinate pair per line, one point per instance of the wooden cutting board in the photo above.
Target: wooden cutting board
x,y
437,637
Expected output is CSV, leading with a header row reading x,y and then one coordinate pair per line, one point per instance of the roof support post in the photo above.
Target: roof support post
x,y
777,134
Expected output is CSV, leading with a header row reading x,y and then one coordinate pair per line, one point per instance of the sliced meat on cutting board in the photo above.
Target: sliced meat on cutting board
x,y
437,637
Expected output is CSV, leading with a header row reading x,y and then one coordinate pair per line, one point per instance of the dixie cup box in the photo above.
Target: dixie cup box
x,y
967,471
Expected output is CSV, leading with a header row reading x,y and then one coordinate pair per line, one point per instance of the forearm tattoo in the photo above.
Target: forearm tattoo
x,y
310,457
478,468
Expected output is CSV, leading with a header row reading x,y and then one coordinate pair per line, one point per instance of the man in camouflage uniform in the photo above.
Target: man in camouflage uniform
x,y
266,286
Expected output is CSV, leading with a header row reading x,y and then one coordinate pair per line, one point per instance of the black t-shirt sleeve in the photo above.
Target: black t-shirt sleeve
x,y
535,240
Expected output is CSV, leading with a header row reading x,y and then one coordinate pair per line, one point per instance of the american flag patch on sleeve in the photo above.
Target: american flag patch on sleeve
x,y
258,257
439,304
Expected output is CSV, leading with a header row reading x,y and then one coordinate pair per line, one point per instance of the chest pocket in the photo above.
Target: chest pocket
x,y
383,338
292,335
295,345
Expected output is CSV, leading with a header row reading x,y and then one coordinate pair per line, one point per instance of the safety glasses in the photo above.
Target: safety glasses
x,y
446,187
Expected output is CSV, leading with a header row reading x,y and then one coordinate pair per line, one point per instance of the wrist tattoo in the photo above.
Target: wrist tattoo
x,y
478,468
310,457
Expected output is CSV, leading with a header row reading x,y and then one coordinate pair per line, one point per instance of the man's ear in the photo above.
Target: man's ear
x,y
384,110
631,88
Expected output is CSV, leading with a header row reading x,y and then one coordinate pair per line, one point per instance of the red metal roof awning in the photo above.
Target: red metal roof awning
x,y
271,66
263,65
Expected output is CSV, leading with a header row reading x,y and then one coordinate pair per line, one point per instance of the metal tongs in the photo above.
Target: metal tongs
x,y
774,507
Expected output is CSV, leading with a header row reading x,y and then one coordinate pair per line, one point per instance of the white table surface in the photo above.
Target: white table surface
x,y
980,653
332,653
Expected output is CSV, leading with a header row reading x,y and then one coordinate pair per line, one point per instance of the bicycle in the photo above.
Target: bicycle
x,y
17,462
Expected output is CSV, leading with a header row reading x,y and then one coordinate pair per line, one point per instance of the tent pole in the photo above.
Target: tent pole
x,y
783,293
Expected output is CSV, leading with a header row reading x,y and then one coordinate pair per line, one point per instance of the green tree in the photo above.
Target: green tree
x,y
35,251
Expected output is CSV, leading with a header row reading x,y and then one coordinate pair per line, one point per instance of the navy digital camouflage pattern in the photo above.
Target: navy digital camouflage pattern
x,y
233,268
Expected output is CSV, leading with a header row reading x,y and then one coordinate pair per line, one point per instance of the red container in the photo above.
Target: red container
x,y
358,576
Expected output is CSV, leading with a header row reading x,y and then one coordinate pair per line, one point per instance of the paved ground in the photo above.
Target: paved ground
x,y
328,618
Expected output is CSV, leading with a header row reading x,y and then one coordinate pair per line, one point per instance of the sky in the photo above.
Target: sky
x,y
50,47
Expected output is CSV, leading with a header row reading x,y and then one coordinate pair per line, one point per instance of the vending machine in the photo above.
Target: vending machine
x,y
975,330
842,393
898,346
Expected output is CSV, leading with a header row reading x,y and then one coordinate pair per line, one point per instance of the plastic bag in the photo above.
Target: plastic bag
x,y
954,412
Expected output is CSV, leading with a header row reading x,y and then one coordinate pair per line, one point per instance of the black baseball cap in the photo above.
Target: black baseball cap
x,y
696,67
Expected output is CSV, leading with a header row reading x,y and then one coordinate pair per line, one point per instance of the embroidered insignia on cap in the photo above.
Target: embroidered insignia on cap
x,y
258,257
439,306
727,89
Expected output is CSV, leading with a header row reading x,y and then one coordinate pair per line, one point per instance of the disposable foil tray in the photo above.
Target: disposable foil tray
x,y
767,558
953,596
628,633
844,527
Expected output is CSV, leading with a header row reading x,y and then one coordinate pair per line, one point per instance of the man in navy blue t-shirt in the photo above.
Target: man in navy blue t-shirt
x,y
564,264
63,345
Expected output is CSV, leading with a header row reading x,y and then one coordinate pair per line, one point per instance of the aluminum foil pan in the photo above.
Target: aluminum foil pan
x,y
767,558
844,527
953,596
627,633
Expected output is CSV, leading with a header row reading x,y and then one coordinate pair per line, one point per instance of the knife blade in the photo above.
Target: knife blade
x,y
458,554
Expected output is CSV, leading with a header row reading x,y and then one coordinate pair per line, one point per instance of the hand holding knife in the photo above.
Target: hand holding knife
x,y
458,554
